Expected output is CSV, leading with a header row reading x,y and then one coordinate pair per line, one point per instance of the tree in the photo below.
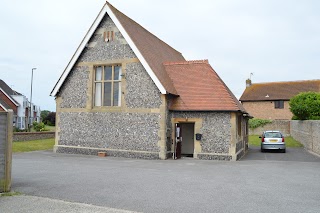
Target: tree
x,y
50,119
44,114
305,106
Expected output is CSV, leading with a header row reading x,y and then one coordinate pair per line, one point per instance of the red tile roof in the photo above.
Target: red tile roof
x,y
154,50
278,90
200,88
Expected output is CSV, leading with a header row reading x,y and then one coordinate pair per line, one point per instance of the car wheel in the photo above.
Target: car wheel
x,y
262,150
284,151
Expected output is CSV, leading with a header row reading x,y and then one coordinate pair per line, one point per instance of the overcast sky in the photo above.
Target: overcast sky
x,y
275,40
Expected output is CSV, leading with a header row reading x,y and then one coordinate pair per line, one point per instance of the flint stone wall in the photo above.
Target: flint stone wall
x,y
28,136
113,153
215,130
74,89
100,50
141,91
121,131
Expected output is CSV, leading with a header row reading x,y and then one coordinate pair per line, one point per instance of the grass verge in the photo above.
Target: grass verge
x,y
254,140
29,146
9,194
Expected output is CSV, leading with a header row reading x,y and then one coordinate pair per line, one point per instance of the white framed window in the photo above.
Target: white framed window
x,y
107,85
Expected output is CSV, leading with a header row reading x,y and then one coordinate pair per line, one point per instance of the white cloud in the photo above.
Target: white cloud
x,y
276,40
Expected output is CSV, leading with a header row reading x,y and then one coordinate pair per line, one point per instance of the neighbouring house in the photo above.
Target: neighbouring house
x,y
271,100
127,93
11,99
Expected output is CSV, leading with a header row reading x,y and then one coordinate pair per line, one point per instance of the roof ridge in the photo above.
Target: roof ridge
x,y
279,82
204,61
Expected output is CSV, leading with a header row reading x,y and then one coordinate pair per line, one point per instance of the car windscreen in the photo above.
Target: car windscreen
x,y
272,135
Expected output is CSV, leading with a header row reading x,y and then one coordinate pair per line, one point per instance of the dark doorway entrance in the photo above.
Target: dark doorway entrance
x,y
187,139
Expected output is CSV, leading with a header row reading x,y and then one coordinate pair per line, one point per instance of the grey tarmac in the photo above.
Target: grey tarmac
x,y
260,182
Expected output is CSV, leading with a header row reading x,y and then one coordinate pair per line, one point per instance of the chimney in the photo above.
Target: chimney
x,y
248,83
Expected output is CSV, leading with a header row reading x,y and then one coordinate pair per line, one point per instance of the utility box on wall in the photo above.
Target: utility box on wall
x,y
6,132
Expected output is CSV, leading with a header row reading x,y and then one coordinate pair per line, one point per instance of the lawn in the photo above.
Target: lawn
x,y
29,146
254,140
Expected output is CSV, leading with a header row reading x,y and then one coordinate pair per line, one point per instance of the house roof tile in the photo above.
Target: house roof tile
x,y
8,91
200,88
278,90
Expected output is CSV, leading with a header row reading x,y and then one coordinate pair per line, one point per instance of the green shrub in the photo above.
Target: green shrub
x,y
39,127
305,106
257,122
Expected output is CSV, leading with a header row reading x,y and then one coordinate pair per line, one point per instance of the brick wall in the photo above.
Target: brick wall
x,y
28,136
281,125
266,110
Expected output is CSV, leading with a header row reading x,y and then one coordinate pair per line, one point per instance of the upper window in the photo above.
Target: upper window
x,y
107,85
279,104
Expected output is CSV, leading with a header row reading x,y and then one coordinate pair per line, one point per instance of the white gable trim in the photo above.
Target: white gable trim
x,y
5,109
106,10
8,96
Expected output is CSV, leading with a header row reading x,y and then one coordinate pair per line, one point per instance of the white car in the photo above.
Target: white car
x,y
272,140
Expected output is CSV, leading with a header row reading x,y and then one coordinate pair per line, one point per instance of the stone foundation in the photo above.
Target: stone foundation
x,y
113,153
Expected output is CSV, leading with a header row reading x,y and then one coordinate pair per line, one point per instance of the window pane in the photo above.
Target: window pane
x,y
98,73
107,73
117,73
98,94
116,93
281,104
107,94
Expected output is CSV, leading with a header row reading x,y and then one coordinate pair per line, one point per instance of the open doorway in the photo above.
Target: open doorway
x,y
187,142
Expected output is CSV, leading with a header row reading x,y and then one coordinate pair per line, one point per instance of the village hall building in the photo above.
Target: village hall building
x,y
127,93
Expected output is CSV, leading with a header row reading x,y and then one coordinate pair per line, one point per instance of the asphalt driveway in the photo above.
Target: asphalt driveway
x,y
292,154
260,182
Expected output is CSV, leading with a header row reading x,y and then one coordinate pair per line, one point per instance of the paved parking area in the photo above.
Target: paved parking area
x,y
292,154
261,182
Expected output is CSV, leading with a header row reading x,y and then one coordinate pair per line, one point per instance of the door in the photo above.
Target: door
x,y
187,145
